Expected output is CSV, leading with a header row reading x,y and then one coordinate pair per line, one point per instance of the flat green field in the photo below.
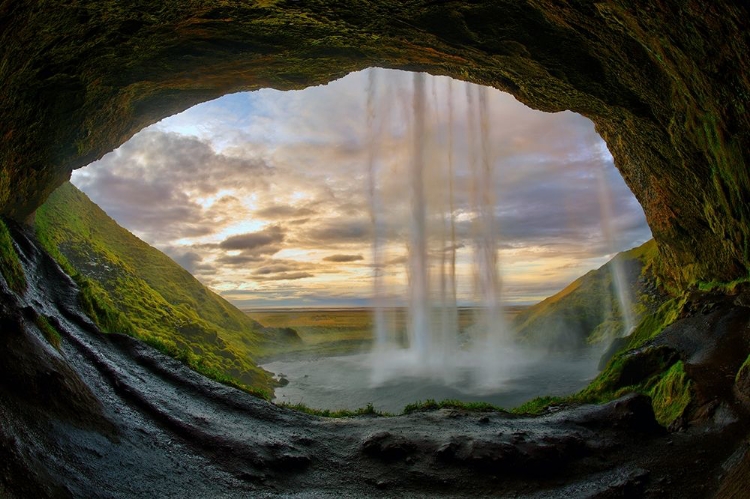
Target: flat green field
x,y
338,331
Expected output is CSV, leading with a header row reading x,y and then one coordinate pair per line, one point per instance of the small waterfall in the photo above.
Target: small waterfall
x,y
618,272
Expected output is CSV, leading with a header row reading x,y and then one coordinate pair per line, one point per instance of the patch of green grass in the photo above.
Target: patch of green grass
x,y
540,405
671,394
10,265
51,334
368,410
128,287
607,386
724,287
432,405
197,363
588,311
99,307
653,324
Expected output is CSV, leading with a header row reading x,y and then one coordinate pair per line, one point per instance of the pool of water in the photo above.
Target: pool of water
x,y
353,381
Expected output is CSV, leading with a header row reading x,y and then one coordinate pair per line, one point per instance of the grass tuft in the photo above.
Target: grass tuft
x,y
432,405
671,395
50,333
368,410
10,265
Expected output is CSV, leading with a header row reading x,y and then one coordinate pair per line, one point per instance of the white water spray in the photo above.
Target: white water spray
x,y
618,272
434,338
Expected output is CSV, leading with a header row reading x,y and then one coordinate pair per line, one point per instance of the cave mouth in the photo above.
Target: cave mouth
x,y
300,200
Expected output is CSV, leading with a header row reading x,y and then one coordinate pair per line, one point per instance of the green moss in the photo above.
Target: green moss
x,y
724,287
432,405
197,363
10,265
588,311
608,385
671,395
128,287
743,370
51,334
368,410
99,307
653,324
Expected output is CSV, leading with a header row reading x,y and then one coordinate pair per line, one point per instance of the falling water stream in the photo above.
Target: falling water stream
x,y
435,347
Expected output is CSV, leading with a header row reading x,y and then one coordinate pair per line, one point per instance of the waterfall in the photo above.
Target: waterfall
x,y
419,327
379,320
618,272
436,347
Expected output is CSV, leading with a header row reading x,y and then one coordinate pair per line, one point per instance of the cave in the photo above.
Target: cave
x,y
665,85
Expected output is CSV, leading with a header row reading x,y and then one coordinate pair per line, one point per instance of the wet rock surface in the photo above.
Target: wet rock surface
x,y
122,420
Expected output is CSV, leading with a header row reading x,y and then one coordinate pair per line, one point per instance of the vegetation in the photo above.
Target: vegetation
x,y
653,324
129,287
588,310
322,331
10,265
432,405
614,381
671,395
742,379
51,334
724,287
368,410
541,404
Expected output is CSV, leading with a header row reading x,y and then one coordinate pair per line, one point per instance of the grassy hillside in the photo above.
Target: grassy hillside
x,y
588,310
129,287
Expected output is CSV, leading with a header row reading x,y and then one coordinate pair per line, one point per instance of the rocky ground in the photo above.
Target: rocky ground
x,y
107,416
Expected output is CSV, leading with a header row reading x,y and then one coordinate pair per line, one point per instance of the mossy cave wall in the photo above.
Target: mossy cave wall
x,y
665,82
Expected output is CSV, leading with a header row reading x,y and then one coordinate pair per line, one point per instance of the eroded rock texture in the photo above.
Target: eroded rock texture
x,y
664,81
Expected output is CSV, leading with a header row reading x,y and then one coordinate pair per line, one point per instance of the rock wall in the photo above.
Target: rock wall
x,y
665,82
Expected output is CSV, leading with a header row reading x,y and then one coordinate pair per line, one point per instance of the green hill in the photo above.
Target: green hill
x,y
588,310
129,287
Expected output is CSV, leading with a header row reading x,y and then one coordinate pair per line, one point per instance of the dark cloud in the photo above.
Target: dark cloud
x,y
286,276
343,258
254,241
242,259
301,221
340,230
283,212
280,266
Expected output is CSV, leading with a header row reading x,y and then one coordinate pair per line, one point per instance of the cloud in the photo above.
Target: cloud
x,y
340,230
286,276
343,258
254,241
154,184
243,259
399,260
282,212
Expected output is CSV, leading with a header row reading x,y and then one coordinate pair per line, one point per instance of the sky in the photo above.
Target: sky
x,y
275,198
